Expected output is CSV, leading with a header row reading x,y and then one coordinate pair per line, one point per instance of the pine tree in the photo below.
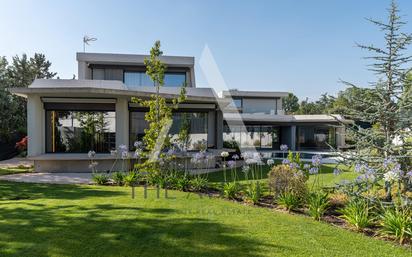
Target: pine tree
x,y
290,103
387,104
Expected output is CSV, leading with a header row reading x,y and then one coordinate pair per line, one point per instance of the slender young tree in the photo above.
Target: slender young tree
x,y
159,115
388,102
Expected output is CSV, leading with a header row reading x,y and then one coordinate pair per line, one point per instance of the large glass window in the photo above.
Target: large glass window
x,y
262,137
175,79
269,137
136,127
141,79
80,131
98,74
137,79
312,137
188,128
251,137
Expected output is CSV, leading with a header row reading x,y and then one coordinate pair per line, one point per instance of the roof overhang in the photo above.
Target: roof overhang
x,y
110,89
254,94
133,59
297,119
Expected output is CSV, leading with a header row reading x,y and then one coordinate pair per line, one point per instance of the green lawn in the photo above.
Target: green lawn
x,y
14,170
326,176
68,220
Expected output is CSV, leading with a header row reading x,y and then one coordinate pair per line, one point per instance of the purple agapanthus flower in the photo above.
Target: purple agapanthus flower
x,y
316,160
313,170
358,167
231,164
198,157
336,171
360,178
171,152
409,176
285,161
306,166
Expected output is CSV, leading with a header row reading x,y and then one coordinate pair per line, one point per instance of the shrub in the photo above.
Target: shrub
x,y
253,192
182,183
172,181
163,181
289,200
118,178
318,203
283,179
231,190
131,179
357,213
100,178
198,183
398,222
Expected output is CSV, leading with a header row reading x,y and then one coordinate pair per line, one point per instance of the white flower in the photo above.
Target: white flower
x,y
122,148
91,154
224,154
283,148
138,144
270,162
113,152
247,155
390,176
256,155
125,155
92,165
245,169
250,161
137,153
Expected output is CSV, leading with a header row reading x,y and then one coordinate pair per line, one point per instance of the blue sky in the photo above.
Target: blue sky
x,y
303,47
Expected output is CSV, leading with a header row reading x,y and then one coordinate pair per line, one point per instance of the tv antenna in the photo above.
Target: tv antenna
x,y
87,40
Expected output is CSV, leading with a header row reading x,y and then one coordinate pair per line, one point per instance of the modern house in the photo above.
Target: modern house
x,y
67,118
257,119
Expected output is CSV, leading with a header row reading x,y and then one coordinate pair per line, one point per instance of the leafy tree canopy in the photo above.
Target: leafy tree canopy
x,y
20,72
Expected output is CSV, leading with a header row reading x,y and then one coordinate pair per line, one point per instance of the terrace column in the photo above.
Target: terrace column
x,y
219,129
293,138
122,122
35,126
340,137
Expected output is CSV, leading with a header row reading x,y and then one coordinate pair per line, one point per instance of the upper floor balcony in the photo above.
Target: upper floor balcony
x,y
130,69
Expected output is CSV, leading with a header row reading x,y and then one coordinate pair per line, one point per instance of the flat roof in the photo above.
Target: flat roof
x,y
111,88
254,94
132,59
272,118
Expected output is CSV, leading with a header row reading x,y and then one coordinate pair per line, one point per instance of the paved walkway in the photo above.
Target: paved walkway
x,y
15,162
50,178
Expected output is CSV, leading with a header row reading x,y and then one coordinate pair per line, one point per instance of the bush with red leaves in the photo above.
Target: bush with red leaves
x,y
22,144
